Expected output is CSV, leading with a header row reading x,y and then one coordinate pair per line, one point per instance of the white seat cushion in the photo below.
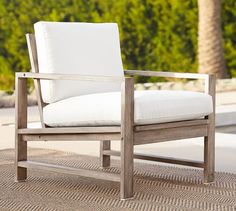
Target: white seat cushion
x,y
151,107
77,48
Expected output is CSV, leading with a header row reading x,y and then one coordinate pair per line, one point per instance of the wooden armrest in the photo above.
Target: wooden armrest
x,y
167,74
208,78
47,76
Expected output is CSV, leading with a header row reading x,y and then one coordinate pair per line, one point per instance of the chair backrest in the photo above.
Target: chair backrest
x,y
77,48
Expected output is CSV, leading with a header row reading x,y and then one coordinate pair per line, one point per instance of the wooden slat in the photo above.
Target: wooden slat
x,y
110,129
170,160
171,125
54,76
70,170
31,43
72,137
20,122
127,137
69,130
169,134
166,74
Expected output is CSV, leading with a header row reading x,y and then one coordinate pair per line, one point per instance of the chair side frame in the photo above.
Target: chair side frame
x,y
128,133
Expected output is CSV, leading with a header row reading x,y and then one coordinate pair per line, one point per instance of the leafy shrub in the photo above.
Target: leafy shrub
x,y
155,34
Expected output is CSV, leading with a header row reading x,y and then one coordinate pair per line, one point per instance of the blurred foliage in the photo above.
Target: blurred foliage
x,y
155,34
229,34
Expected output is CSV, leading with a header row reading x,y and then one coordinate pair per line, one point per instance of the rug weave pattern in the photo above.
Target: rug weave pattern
x,y
156,187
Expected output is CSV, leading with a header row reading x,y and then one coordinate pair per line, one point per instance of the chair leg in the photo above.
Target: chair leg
x,y
21,155
21,122
126,183
209,156
209,140
105,159
127,140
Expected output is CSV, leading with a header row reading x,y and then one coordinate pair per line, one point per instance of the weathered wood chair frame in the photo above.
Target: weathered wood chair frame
x,y
128,133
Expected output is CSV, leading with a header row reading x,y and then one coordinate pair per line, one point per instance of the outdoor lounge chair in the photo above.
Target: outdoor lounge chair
x,y
83,94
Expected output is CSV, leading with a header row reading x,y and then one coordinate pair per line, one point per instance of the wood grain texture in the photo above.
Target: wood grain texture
x,y
75,77
31,43
184,162
20,122
166,74
127,138
70,130
72,137
169,134
69,170
209,139
171,125
105,159
128,133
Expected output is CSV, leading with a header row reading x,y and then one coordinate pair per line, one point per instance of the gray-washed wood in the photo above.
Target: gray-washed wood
x,y
127,132
70,130
169,134
72,137
105,159
166,74
75,77
31,43
184,162
209,139
20,122
32,50
127,138
69,170
135,134
171,125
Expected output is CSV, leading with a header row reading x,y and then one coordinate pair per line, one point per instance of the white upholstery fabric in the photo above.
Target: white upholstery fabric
x,y
150,107
77,48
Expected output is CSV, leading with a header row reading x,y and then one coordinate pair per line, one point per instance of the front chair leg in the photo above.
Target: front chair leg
x,y
105,159
21,155
126,183
127,140
21,122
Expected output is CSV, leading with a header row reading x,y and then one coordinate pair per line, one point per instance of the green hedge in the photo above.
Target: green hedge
x,y
155,34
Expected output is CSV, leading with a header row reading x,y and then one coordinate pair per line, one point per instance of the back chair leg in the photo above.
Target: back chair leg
x,y
21,155
105,159
209,140
209,158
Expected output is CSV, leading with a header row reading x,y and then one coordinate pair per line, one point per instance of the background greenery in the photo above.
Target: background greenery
x,y
155,34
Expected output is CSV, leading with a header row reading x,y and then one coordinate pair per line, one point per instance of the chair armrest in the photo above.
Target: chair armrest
x,y
47,76
208,78
209,82
167,74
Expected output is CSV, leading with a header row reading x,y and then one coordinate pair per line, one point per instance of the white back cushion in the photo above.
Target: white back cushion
x,y
77,48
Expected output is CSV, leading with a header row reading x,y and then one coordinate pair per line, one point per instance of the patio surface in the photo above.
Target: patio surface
x,y
156,188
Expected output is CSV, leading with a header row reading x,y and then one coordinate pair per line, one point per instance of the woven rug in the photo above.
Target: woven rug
x,y
156,187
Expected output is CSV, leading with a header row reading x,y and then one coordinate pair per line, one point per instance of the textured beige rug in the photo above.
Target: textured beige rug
x,y
156,187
